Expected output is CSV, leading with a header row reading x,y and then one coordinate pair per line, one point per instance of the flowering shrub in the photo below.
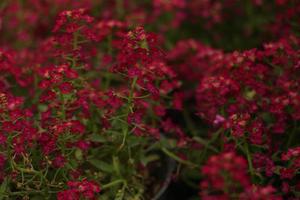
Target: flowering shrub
x,y
99,98
80,122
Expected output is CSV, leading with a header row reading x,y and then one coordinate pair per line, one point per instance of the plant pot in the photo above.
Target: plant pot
x,y
164,172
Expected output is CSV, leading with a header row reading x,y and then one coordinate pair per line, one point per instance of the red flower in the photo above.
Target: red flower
x,y
84,188
76,127
286,173
66,88
2,139
59,161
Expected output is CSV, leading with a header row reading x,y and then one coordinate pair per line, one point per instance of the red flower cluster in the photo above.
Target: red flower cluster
x,y
254,97
226,178
292,156
245,88
79,189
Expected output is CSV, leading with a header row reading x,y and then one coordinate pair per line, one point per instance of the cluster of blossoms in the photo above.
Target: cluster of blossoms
x,y
253,89
77,188
226,177
274,18
253,97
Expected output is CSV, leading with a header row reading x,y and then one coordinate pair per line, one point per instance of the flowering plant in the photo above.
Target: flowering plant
x,y
91,118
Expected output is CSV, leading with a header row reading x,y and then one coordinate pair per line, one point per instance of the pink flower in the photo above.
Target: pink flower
x,y
219,120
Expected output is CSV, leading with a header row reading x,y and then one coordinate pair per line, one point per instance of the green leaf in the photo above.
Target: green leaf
x,y
134,141
148,159
97,138
42,107
116,163
249,95
143,160
78,154
103,166
3,188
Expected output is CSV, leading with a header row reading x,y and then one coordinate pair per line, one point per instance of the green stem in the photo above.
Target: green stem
x,y
178,159
249,159
116,165
206,144
22,193
113,183
25,170
214,137
75,40
128,110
